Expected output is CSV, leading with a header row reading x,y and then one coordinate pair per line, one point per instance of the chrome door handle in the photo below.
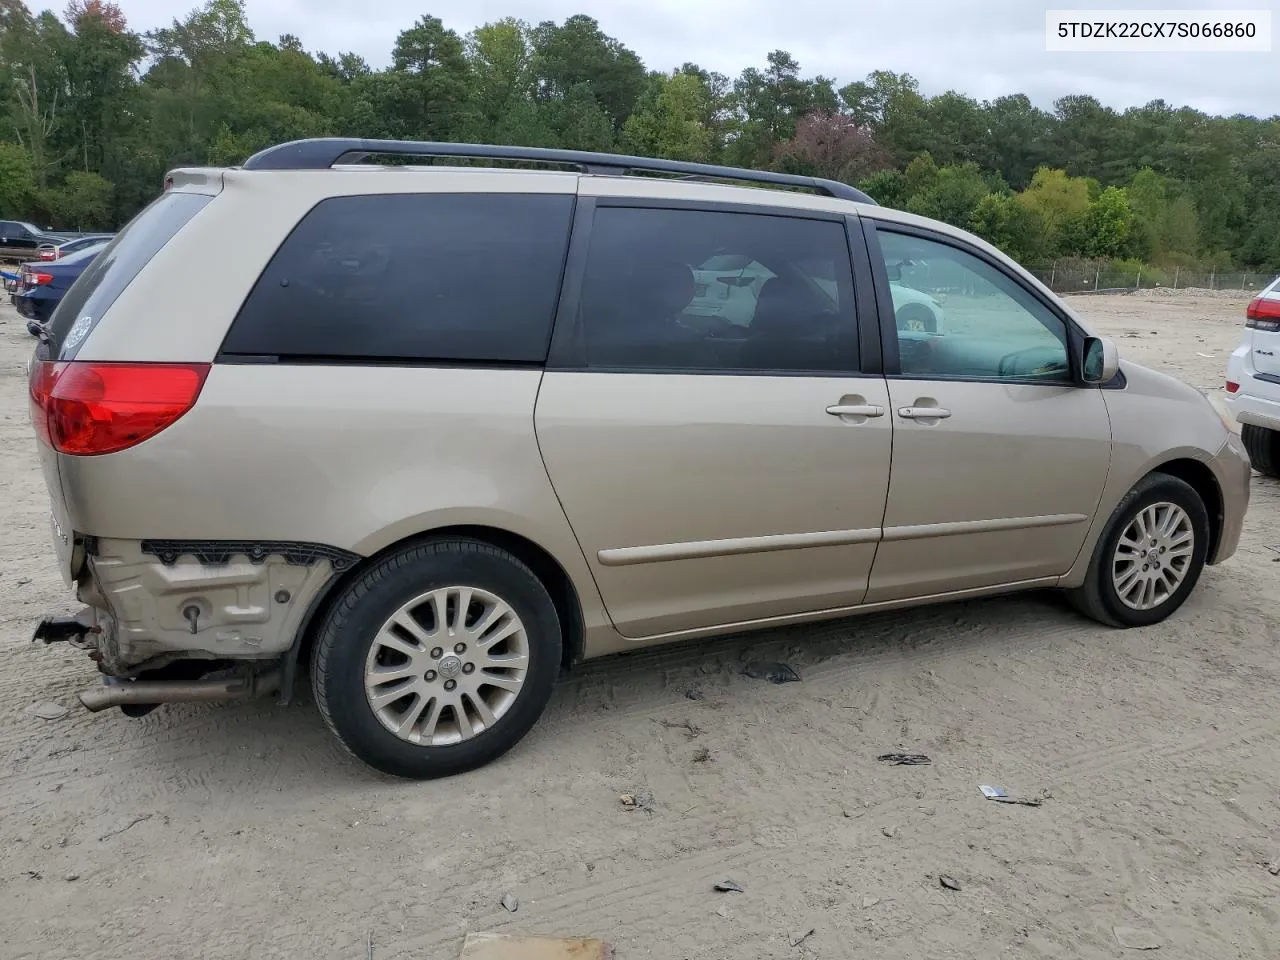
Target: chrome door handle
x,y
923,413
855,410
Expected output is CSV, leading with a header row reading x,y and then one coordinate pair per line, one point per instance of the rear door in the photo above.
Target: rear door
x,y
1000,452
715,468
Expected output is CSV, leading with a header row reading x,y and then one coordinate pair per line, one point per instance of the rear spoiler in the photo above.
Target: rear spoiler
x,y
206,180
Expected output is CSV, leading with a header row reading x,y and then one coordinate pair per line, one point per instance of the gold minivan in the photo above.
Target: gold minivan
x,y
443,431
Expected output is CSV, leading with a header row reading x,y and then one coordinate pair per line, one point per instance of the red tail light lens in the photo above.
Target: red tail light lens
x,y
48,254
85,408
1232,386
1263,313
39,279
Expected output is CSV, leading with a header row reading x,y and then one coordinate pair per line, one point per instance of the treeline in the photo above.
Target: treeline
x,y
93,113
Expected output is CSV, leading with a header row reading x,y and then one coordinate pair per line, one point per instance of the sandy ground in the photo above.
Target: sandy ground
x,y
241,831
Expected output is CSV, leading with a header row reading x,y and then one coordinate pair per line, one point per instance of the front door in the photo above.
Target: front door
x,y
999,454
703,419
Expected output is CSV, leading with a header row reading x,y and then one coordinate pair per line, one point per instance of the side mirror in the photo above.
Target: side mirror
x,y
1101,360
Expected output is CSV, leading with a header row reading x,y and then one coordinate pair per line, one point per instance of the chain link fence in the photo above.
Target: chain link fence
x,y
1111,277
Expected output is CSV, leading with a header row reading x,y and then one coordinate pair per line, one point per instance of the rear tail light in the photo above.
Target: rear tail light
x,y
48,254
85,408
38,279
1232,386
1263,313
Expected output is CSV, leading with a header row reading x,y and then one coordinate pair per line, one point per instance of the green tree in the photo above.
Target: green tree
x,y
1060,202
886,187
1110,225
577,57
668,121
82,202
767,104
18,188
953,195
503,83
100,56
1010,225
33,61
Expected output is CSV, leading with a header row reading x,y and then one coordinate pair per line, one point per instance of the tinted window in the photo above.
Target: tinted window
x,y
717,292
958,316
117,264
419,277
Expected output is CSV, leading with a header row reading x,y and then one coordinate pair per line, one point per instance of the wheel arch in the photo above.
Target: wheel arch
x,y
1201,479
1186,464
549,570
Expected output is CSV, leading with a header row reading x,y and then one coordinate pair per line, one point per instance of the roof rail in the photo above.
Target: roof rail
x,y
322,153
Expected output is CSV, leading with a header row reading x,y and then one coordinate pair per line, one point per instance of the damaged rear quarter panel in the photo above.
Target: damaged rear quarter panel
x,y
203,600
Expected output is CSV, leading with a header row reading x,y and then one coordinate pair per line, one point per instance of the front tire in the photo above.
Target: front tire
x,y
917,319
1263,447
1149,557
438,659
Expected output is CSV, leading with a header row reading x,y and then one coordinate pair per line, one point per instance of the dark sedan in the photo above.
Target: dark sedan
x,y
43,285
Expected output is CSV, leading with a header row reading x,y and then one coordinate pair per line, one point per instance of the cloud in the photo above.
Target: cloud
x,y
983,48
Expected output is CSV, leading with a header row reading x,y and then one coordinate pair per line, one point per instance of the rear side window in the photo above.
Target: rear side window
x,y
115,268
717,292
420,277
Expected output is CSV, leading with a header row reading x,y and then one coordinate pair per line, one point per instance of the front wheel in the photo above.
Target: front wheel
x,y
438,659
1149,557
917,319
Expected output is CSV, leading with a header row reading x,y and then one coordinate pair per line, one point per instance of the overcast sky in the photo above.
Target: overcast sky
x,y
984,48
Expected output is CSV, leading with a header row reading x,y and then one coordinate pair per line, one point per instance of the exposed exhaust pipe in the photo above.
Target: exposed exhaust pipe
x,y
150,692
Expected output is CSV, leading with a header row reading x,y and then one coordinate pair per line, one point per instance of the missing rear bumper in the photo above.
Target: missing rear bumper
x,y
74,630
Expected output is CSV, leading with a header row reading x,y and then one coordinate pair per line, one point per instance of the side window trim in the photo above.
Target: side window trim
x,y
889,326
567,351
870,351
890,363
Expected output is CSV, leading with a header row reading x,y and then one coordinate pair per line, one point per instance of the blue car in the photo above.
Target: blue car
x,y
43,285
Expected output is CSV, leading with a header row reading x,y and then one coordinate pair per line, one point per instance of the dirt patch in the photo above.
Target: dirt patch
x,y
250,834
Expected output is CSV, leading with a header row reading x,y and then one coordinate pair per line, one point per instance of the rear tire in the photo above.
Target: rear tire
x,y
1263,446
438,659
917,318
1169,556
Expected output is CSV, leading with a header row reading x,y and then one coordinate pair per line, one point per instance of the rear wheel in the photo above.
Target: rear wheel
x,y
1149,557
1263,446
438,659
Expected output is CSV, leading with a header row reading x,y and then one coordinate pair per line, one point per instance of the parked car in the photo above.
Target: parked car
x,y
20,240
56,251
43,285
1253,381
445,433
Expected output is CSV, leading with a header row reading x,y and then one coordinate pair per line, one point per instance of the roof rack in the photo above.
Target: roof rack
x,y
322,153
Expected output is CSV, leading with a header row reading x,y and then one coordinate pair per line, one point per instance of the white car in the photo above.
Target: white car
x,y
1253,381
